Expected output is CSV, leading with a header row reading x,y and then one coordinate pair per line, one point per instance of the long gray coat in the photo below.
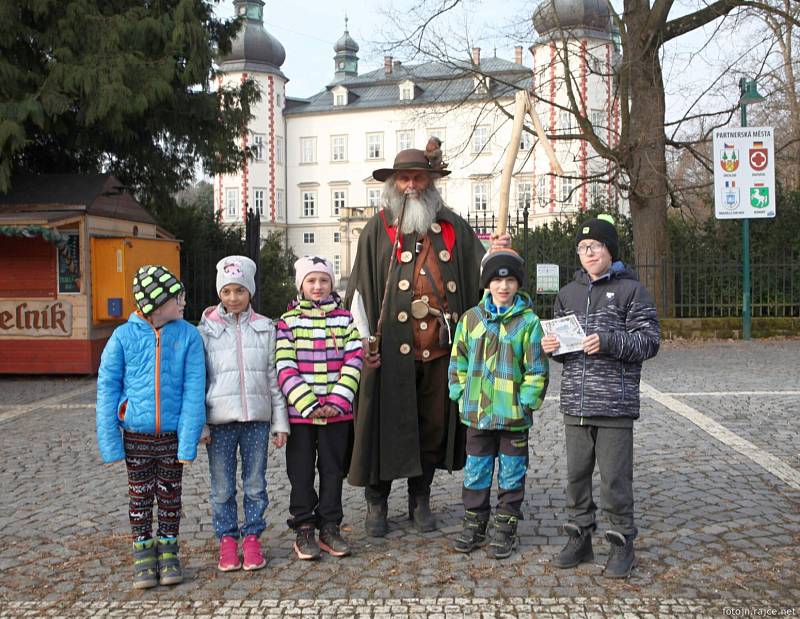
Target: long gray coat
x,y
387,428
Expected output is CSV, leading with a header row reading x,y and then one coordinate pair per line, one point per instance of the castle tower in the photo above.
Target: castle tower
x,y
577,33
345,61
260,183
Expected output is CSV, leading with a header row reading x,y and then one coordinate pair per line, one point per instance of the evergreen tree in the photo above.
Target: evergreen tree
x,y
276,275
117,85
204,241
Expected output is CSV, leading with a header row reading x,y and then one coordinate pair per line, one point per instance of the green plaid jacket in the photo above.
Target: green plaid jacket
x,y
498,371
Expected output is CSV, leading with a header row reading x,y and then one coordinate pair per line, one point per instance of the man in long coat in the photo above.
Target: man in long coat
x,y
406,426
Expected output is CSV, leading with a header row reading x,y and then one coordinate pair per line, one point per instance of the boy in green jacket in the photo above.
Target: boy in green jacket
x,y
498,376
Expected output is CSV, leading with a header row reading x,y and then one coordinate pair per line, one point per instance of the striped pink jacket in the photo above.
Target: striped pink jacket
x,y
319,358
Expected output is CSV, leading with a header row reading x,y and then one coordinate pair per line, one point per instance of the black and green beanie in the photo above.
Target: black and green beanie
x,y
154,285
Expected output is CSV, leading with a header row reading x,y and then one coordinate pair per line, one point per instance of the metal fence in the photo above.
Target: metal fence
x,y
199,269
709,284
704,282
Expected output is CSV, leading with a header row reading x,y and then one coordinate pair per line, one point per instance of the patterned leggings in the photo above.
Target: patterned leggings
x,y
153,471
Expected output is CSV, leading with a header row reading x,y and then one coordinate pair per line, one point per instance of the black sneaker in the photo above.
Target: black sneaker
x,y
473,534
621,560
331,541
305,544
578,548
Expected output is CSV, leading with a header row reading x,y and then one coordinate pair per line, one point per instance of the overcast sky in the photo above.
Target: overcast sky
x,y
309,29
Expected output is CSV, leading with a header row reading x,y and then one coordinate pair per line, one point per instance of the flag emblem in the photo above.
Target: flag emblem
x,y
759,196
730,195
730,158
758,156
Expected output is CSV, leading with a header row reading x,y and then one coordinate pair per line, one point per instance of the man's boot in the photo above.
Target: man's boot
x,y
474,533
375,522
419,510
621,560
578,548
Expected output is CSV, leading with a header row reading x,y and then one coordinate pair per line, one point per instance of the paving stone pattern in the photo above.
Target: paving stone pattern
x,y
719,535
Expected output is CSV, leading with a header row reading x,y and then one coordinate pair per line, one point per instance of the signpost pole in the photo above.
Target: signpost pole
x,y
752,174
745,259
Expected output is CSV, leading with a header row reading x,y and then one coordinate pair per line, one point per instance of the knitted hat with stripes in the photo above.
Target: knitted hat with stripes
x,y
154,285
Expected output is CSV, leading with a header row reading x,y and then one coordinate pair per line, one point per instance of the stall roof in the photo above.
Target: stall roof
x,y
44,195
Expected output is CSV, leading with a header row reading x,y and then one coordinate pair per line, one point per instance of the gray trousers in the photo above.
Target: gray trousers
x,y
612,448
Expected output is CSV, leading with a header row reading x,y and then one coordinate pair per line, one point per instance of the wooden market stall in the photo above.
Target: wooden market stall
x,y
69,247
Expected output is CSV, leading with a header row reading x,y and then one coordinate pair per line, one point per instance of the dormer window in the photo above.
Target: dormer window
x,y
251,11
406,90
339,96
482,83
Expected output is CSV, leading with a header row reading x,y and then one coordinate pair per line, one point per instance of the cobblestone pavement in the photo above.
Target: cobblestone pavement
x,y
718,507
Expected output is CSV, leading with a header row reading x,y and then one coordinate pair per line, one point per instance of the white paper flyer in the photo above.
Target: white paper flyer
x,y
569,332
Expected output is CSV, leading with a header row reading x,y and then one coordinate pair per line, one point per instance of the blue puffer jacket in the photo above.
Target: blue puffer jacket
x,y
151,381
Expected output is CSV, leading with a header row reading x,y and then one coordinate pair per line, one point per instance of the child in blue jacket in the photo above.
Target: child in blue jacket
x,y
150,412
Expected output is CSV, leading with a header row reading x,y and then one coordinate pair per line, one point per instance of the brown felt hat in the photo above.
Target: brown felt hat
x,y
409,159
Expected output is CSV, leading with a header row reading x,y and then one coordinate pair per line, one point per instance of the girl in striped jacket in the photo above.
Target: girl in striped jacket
x,y
319,357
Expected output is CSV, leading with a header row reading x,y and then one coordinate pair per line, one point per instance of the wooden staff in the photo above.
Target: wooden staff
x,y
374,341
522,105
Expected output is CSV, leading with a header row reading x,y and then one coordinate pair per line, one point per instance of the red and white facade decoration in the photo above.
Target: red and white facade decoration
x,y
591,63
263,173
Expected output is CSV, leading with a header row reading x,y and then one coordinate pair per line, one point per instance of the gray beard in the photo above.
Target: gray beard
x,y
420,210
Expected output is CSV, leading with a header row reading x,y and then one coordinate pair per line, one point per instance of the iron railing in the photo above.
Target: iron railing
x,y
704,282
199,269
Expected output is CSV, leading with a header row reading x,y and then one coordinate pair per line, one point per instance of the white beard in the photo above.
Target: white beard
x,y
421,208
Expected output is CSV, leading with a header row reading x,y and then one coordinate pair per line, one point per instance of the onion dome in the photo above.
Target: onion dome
x,y
554,16
346,43
253,48
345,62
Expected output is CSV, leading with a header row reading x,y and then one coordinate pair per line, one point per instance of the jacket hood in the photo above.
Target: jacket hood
x,y
522,301
617,270
216,318
141,322
306,306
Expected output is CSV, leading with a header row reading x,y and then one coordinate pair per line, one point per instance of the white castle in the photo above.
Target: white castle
x,y
311,176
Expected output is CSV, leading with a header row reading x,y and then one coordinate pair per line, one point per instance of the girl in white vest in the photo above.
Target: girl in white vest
x,y
243,404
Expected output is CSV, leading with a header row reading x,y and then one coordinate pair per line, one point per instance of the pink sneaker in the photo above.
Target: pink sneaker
x,y
228,554
253,558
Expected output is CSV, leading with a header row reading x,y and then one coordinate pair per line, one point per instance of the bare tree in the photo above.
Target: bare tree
x,y
638,152
782,86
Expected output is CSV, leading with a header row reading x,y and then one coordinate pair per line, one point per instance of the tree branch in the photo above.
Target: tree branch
x,y
692,21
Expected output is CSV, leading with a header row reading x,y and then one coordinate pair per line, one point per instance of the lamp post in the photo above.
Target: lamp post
x,y
748,94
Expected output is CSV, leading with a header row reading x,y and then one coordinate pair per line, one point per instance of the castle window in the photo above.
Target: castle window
x,y
309,204
375,146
